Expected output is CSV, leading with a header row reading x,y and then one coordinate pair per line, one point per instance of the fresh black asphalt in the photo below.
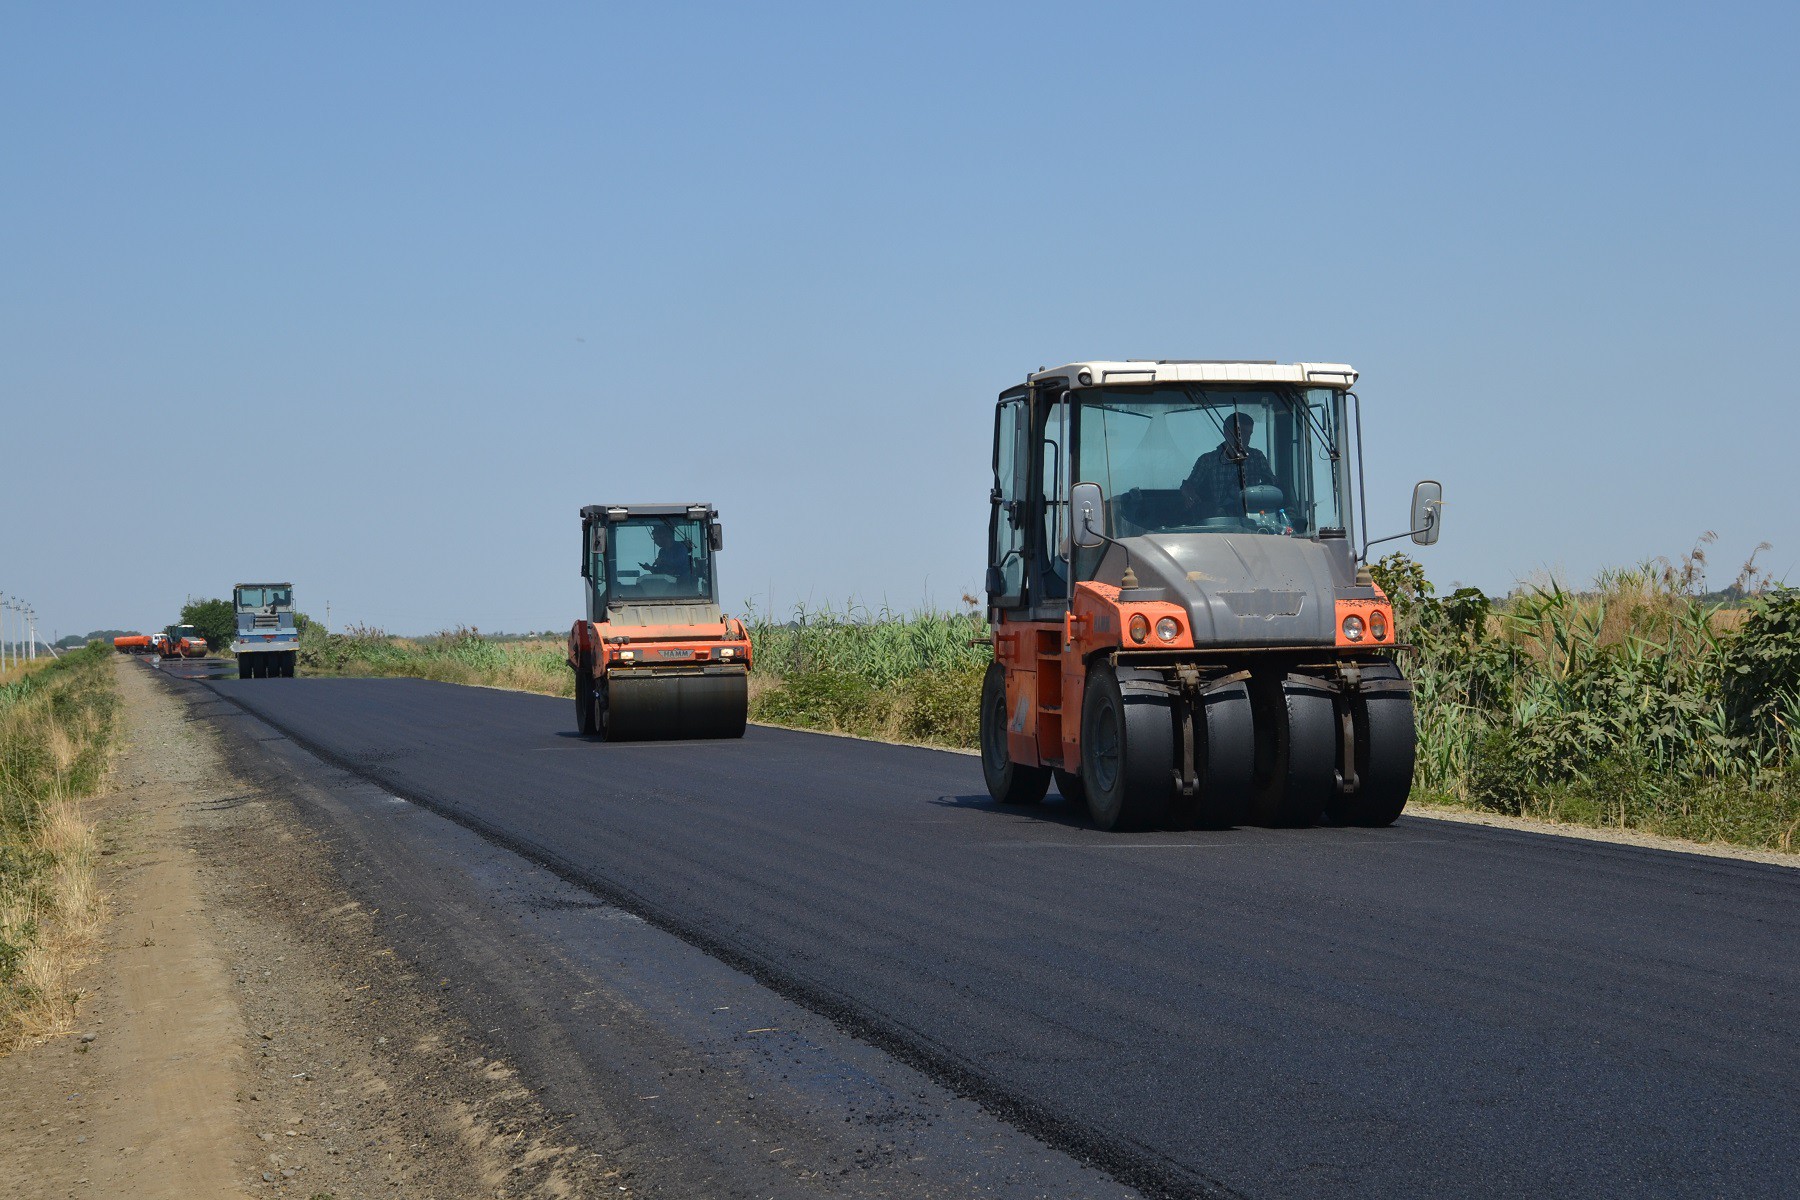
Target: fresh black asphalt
x,y
1428,1010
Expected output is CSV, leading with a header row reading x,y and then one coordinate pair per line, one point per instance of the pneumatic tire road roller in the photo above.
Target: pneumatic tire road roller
x,y
655,657
1184,631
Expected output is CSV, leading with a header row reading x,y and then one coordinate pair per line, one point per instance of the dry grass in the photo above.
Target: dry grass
x,y
55,750
15,672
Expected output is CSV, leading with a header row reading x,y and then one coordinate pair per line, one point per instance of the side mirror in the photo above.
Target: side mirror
x,y
1088,504
1427,512
715,535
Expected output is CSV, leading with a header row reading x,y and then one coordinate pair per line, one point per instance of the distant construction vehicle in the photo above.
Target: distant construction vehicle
x,y
185,641
267,644
655,656
1183,631
132,643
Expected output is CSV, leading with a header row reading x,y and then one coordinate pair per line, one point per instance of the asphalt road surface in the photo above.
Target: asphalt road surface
x,y
1428,1010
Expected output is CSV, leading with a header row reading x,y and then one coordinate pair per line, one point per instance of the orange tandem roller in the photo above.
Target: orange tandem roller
x,y
655,656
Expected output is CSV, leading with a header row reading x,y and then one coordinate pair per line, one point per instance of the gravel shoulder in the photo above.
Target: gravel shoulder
x,y
246,1033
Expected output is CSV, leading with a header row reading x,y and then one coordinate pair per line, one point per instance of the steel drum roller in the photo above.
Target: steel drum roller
x,y
643,704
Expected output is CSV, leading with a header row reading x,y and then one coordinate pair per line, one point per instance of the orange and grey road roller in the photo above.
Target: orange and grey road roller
x,y
655,657
185,640
1185,631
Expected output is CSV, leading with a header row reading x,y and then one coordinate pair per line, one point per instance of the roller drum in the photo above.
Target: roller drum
x,y
644,705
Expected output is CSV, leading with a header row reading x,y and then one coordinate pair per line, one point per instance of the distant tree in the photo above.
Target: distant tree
x,y
76,640
215,619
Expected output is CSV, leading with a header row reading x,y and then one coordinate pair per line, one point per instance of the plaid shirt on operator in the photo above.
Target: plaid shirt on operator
x,y
1214,487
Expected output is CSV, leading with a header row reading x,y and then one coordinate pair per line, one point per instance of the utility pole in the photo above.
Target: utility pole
x,y
4,605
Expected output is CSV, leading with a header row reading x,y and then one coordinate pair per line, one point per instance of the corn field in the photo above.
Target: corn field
x,y
881,647
1633,703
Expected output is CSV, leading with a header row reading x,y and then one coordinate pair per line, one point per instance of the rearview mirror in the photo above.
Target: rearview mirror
x,y
1088,528
596,546
715,534
1427,512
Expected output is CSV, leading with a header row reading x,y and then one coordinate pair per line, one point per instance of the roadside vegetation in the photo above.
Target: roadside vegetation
x,y
1637,703
57,727
910,677
1640,702
460,655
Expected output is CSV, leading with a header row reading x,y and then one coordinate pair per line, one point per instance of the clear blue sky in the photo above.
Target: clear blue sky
x,y
373,298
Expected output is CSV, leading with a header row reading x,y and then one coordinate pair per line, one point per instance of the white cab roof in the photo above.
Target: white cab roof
x,y
1178,371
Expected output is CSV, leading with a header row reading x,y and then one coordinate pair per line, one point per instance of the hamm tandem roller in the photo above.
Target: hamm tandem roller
x,y
656,658
1184,630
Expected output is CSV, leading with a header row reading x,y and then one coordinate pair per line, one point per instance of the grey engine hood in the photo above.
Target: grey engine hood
x,y
1244,589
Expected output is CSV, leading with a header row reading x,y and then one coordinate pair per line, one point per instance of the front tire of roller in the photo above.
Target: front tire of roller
x,y
1127,753
1225,746
1381,713
1008,782
243,668
1296,750
584,698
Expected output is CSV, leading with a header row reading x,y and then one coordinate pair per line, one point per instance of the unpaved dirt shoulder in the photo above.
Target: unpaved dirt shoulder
x,y
245,1033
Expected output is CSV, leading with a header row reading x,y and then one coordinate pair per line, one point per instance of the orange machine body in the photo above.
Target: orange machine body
x,y
612,647
1047,662
132,643
192,646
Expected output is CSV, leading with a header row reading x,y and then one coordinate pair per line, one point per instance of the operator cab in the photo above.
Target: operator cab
x,y
657,556
1182,452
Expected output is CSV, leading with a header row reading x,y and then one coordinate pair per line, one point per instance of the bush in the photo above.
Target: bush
x,y
1636,703
215,619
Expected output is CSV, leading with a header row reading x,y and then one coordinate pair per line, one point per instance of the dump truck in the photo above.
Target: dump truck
x,y
655,656
267,644
1185,630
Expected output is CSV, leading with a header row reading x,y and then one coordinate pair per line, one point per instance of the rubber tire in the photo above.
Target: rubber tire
x,y
1296,751
1007,782
585,723
1386,748
1225,761
290,662
243,665
1127,753
1070,787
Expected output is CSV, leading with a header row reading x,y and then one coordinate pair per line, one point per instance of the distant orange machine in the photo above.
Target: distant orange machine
x,y
655,657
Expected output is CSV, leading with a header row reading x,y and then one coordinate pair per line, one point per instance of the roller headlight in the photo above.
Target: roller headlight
x,y
1378,625
1168,629
1140,627
727,651
1353,628
628,654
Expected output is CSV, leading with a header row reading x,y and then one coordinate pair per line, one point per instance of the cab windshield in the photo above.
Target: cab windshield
x,y
1190,459
659,558
264,597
